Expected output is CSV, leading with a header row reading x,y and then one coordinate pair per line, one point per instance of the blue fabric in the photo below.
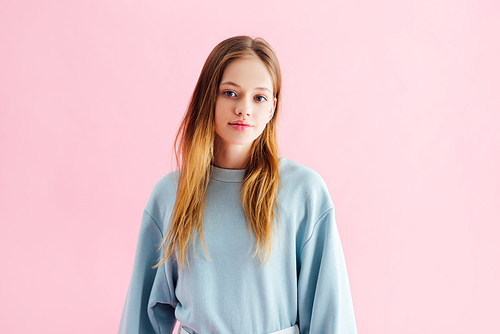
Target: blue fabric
x,y
305,280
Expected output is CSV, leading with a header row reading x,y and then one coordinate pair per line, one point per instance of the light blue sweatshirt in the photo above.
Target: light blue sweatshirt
x,y
305,280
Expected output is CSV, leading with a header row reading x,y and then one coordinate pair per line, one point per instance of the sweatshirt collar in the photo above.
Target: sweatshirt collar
x,y
227,175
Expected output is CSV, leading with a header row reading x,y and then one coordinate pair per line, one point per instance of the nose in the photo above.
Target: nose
x,y
243,107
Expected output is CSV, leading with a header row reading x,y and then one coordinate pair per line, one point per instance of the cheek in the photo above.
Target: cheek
x,y
221,107
264,117
218,113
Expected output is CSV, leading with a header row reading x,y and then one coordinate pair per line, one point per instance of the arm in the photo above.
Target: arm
x,y
149,306
324,296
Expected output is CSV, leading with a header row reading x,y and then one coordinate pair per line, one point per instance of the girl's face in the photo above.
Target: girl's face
x,y
245,102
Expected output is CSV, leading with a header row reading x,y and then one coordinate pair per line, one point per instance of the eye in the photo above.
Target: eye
x,y
229,93
261,98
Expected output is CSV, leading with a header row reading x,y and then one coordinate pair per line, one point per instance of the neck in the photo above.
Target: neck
x,y
231,156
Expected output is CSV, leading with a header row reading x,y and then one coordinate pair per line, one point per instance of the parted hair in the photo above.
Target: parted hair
x,y
194,154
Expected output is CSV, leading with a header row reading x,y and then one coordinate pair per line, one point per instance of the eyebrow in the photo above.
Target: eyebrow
x,y
235,85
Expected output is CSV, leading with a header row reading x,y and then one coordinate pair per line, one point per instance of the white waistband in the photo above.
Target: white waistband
x,y
289,330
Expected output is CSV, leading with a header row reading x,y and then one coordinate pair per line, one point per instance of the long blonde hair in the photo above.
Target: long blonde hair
x,y
194,152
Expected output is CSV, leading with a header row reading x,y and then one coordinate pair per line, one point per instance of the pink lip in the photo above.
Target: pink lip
x,y
240,125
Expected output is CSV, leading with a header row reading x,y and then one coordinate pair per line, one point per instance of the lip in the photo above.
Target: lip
x,y
240,125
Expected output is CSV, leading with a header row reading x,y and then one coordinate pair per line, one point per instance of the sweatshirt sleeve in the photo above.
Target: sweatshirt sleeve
x,y
324,296
149,306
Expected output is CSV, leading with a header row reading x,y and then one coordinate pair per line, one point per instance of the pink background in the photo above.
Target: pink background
x,y
395,103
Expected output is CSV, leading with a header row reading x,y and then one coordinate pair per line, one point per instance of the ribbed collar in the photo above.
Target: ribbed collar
x,y
227,175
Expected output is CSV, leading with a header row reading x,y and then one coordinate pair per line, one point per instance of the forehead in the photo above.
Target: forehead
x,y
249,73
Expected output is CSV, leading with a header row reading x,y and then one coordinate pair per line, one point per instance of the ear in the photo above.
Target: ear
x,y
271,114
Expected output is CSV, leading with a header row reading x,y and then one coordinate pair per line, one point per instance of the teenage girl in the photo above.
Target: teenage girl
x,y
238,239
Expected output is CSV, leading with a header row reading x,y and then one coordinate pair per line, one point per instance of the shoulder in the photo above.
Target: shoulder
x,y
303,199
165,186
162,198
303,184
291,171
